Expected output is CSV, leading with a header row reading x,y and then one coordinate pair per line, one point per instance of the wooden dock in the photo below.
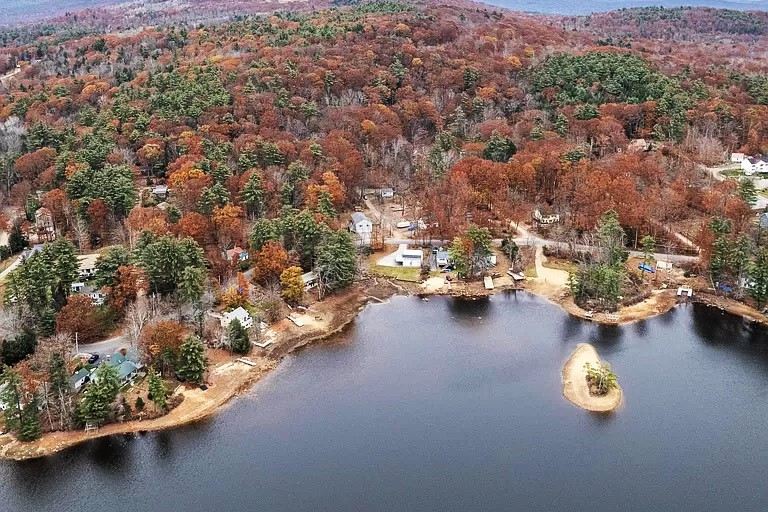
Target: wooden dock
x,y
488,281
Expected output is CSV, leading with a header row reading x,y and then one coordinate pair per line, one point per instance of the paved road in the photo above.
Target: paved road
x,y
106,347
10,268
532,240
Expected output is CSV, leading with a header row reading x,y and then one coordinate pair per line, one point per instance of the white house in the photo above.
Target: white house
x,y
546,218
360,224
98,297
737,157
87,265
310,280
362,227
160,191
409,257
240,314
754,164
79,379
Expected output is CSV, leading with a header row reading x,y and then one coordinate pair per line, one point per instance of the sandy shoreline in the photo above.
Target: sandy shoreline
x,y
229,378
226,380
575,387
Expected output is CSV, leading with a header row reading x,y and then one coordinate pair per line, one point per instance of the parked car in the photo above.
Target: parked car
x,y
93,359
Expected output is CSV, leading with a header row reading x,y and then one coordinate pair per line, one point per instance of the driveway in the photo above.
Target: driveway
x,y
106,347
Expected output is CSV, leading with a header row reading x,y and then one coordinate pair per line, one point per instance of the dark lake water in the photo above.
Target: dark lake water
x,y
453,406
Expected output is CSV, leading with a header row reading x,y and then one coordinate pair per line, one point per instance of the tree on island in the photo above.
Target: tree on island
x,y
601,378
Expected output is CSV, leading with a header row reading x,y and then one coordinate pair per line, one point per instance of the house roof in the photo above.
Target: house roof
x,y
309,277
240,313
359,217
442,255
757,159
413,253
235,251
160,189
126,368
82,372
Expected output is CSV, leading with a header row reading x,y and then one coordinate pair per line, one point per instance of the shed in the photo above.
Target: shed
x,y
387,193
310,280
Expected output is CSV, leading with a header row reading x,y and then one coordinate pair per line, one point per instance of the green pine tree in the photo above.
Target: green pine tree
x,y
190,365
157,391
238,337
30,429
96,407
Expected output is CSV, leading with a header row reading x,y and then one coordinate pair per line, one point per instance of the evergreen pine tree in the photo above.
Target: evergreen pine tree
x,y
157,392
29,429
191,362
238,337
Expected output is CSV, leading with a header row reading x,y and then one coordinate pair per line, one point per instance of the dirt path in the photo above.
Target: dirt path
x,y
547,275
575,387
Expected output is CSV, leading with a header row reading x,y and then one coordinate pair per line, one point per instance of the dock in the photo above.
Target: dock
x,y
685,290
488,281
517,276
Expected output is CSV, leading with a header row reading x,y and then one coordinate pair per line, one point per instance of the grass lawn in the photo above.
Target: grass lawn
x,y
401,273
561,264
732,173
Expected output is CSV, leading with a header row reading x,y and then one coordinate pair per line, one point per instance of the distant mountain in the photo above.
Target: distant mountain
x,y
580,7
18,11
14,11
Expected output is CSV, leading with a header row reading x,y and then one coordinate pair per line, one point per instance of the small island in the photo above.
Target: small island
x,y
582,386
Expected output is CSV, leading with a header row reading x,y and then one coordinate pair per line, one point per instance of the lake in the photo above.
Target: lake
x,y
454,406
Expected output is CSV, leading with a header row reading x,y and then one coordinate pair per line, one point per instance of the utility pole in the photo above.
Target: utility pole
x,y
77,349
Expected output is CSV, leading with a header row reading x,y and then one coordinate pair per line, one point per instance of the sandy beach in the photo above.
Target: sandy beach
x,y
575,387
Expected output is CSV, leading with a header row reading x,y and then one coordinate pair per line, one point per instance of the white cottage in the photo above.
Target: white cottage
x,y
754,164
240,314
360,224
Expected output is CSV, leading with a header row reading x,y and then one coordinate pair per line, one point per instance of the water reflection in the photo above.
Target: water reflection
x,y
424,422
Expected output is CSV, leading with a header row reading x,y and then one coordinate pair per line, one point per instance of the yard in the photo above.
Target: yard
x,y
412,274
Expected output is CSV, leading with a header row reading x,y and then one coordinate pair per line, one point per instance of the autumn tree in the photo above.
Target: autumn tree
x,y
161,343
293,284
471,252
79,316
269,262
